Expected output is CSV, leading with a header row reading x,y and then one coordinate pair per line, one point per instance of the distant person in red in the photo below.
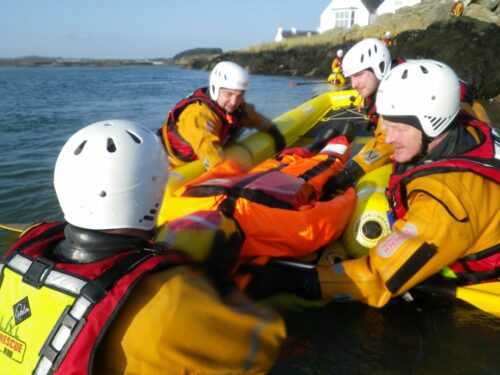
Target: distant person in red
x,y
457,8
387,39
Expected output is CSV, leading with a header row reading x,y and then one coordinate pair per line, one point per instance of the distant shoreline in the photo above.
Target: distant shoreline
x,y
46,62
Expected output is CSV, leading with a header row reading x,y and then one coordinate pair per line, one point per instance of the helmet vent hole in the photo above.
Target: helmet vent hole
x,y
79,149
362,58
433,97
369,53
102,194
111,147
375,48
405,74
382,66
424,69
134,137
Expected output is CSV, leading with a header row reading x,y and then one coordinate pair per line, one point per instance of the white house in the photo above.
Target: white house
x,y
347,13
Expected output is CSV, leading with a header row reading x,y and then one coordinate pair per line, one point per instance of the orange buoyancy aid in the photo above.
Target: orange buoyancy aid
x,y
484,160
172,139
276,205
337,65
61,337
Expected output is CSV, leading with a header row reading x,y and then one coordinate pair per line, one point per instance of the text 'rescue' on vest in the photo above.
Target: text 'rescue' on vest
x,y
61,337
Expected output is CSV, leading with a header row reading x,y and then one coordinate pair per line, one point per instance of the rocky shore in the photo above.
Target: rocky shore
x,y
469,44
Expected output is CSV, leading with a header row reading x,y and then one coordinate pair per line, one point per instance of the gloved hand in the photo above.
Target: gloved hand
x,y
302,152
345,178
279,140
223,258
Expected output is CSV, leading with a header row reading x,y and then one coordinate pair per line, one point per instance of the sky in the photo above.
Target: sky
x,y
136,29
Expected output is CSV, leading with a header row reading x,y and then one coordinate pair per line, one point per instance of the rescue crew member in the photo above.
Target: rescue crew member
x,y
387,39
444,192
199,125
457,9
367,63
115,295
337,78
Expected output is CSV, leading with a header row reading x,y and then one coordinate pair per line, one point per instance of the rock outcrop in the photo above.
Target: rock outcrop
x,y
469,44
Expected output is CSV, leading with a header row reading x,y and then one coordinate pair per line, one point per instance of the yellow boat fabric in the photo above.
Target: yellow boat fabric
x,y
456,200
200,331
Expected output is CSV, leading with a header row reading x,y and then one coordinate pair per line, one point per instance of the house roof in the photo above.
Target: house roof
x,y
372,5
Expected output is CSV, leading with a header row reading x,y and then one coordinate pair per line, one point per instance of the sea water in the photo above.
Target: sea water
x,y
41,107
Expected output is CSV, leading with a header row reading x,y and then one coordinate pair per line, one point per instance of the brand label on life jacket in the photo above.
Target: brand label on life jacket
x,y
22,310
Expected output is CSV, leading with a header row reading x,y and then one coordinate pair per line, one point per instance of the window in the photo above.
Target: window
x,y
344,18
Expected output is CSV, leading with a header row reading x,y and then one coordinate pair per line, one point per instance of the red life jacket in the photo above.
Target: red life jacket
x,y
100,289
180,147
483,160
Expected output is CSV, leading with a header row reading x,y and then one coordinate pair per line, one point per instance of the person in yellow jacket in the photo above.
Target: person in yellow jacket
x,y
336,77
199,126
457,9
119,303
444,191
367,63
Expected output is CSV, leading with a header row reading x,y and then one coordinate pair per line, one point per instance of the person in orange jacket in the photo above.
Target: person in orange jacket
x,y
457,9
199,126
119,303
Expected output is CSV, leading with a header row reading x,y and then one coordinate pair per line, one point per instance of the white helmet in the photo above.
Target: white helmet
x,y
340,53
426,89
227,75
111,175
371,54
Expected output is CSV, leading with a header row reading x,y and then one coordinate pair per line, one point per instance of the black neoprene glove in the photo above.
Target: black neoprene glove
x,y
345,178
223,258
279,140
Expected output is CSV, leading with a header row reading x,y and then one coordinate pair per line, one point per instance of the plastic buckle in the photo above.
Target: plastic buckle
x,y
38,272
